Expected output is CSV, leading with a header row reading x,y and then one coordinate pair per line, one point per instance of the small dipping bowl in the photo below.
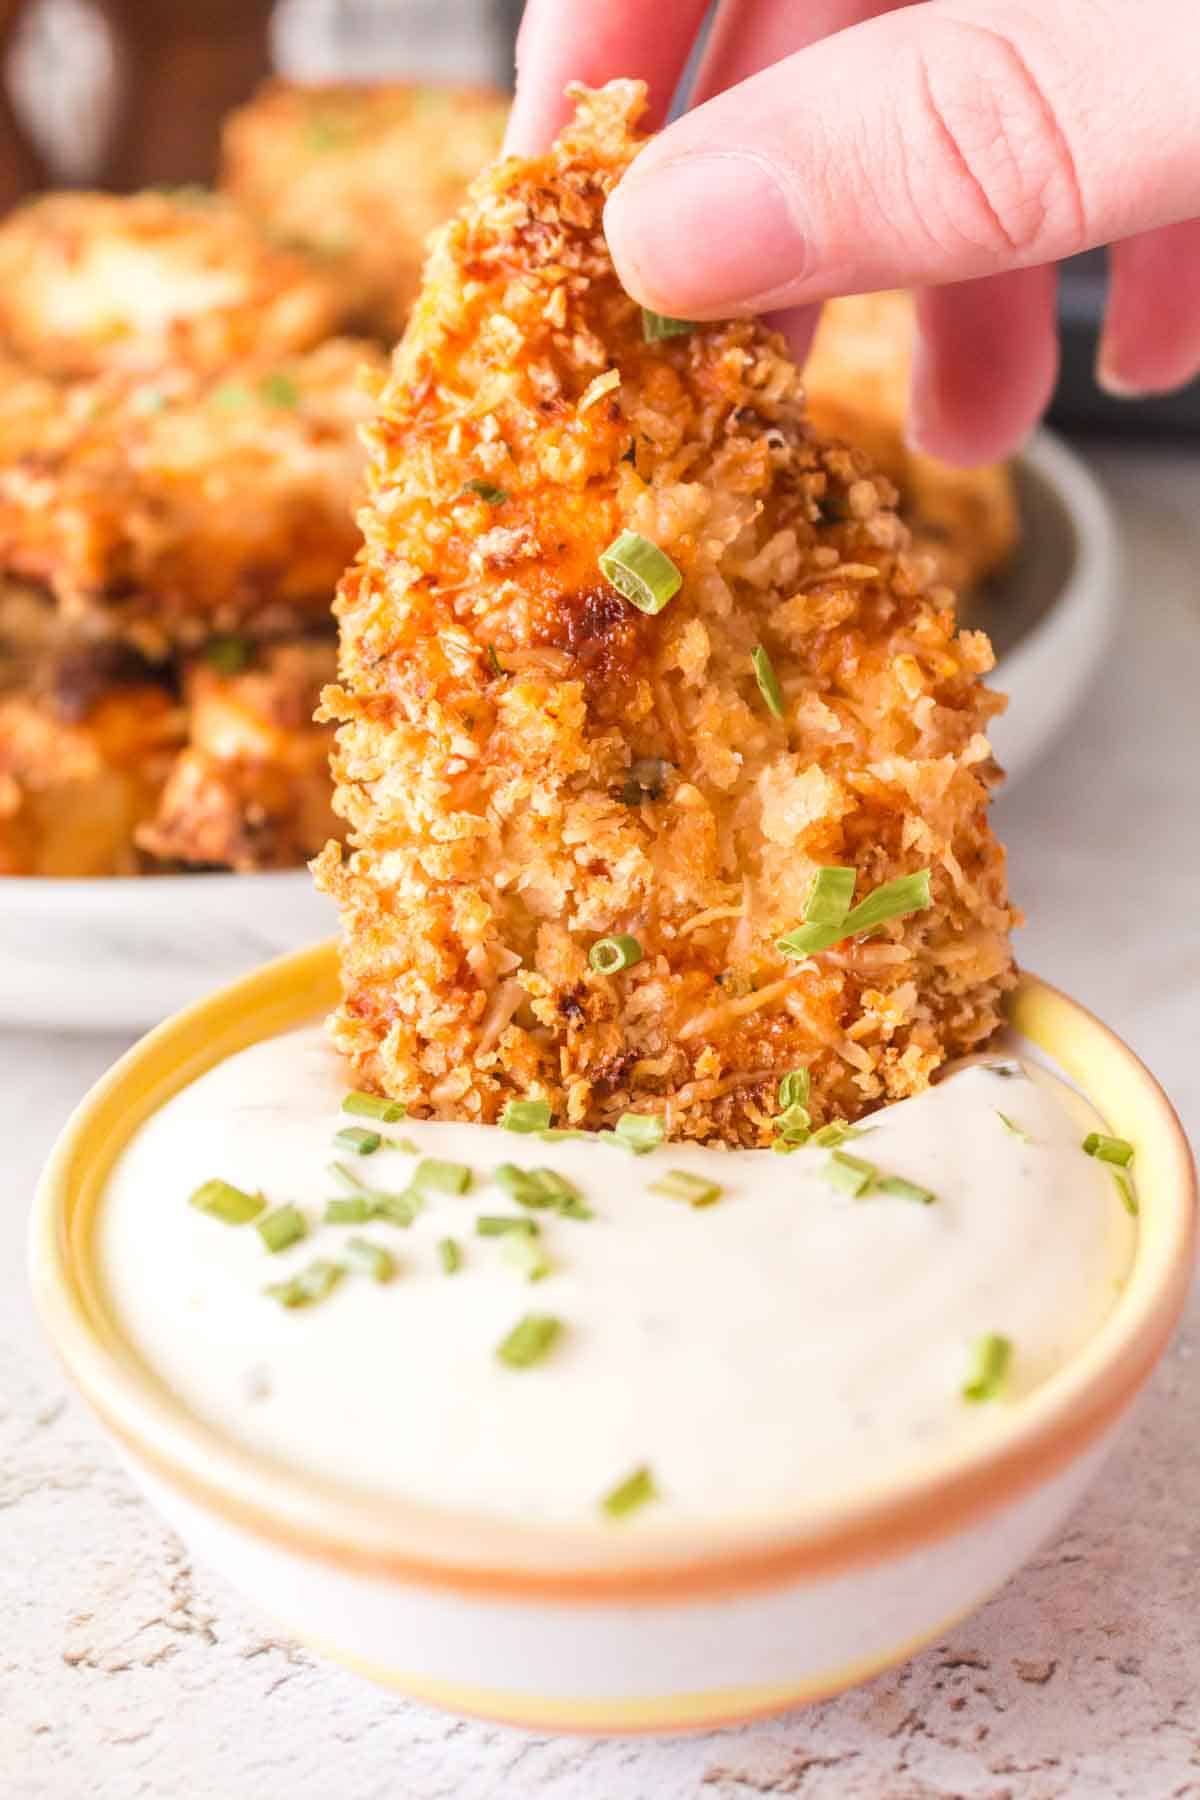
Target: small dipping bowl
x,y
587,1629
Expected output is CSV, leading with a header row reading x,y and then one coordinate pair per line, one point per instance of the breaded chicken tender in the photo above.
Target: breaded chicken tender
x,y
187,503
359,176
530,763
252,790
91,282
857,382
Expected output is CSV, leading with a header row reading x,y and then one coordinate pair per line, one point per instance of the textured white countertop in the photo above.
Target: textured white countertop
x,y
127,1674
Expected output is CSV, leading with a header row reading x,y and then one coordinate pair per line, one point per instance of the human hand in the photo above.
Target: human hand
x,y
958,147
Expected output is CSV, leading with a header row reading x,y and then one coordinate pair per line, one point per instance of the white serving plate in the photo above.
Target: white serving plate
x,y
119,955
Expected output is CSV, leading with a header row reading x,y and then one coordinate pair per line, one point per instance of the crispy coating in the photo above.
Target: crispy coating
x,y
528,763
857,381
359,176
252,789
91,282
187,503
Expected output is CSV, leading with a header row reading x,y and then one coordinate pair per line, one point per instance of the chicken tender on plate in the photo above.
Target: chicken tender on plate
x,y
91,282
185,504
532,764
857,382
252,790
359,176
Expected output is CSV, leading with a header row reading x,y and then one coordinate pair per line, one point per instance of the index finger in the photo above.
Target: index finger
x,y
595,41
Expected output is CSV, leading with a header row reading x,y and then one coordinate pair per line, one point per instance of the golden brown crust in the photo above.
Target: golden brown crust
x,y
359,177
187,503
94,282
621,773
857,383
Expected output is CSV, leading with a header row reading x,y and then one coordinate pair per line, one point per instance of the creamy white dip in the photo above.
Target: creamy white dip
x,y
789,1344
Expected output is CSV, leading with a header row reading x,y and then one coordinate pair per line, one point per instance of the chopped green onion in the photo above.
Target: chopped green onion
x,y
681,1184
278,389
768,681
829,896
526,1115
221,1200
608,956
502,1224
792,1126
359,1139
348,1209
286,1225
850,1172
656,326
640,571
906,1190
575,1209
536,1188
894,900
378,1263
639,1132
494,496
227,653
232,396
432,1175
449,1255
497,666
835,1133
1108,1149
1125,1189
310,1285
989,1367
374,1106
554,1134
527,1255
1012,1128
397,1209
636,1490
795,1088
785,1145
530,1339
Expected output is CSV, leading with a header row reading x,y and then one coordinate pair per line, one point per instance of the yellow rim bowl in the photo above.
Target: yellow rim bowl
x,y
479,1556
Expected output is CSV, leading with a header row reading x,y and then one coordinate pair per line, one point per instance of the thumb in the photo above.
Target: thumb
x,y
936,144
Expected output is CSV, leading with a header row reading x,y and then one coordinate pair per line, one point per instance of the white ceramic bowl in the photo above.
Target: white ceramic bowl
x,y
595,1630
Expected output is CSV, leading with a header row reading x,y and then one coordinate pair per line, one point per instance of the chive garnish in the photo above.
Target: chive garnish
x,y
656,326
829,896
636,1490
768,681
432,1175
358,1139
527,1255
221,1200
608,956
794,1088
374,1106
496,665
449,1255
989,1368
278,389
835,1133
850,1173
1108,1149
640,571
536,1188
574,1208
286,1225
502,1224
227,653
681,1184
555,1134
906,1190
1125,1189
397,1209
530,1339
309,1286
492,496
378,1263
526,1115
348,1209
894,900
1012,1128
639,1132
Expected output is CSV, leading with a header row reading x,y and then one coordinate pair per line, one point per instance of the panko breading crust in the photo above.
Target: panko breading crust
x,y
528,763
187,503
360,176
856,381
91,282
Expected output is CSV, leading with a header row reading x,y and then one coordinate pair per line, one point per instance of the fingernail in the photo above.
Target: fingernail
x,y
706,232
1112,384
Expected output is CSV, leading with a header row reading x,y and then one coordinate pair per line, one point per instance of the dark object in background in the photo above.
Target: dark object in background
x,y
1079,404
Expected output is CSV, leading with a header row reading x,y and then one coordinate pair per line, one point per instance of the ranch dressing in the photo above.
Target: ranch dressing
x,y
790,1344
